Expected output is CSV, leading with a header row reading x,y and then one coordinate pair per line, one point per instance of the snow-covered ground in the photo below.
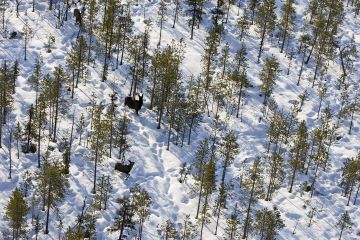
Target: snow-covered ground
x,y
156,169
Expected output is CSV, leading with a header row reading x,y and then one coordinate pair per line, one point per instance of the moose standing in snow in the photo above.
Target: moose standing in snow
x,y
124,168
132,103
77,15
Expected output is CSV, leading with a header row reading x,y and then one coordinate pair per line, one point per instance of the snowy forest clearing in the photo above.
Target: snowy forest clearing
x,y
206,86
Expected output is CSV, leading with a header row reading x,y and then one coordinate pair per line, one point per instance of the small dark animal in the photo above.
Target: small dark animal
x,y
133,103
77,15
124,168
13,35
308,188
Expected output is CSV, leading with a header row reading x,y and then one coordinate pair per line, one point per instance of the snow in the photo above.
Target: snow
x,y
156,169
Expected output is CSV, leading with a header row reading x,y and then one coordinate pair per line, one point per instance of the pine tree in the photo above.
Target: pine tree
x,y
66,159
304,44
107,33
188,231
318,153
298,151
254,184
353,107
162,14
37,226
344,223
30,131
3,6
229,148
52,185
26,183
18,137
90,20
347,53
212,43
322,94
168,231
123,32
76,62
60,223
238,76
193,110
6,98
196,12
201,157
81,127
265,21
142,202
225,55
144,53
16,211
268,76
124,217
36,76
287,20
175,105
232,230
243,25
15,71
98,140
121,142
110,123
253,7
104,188
208,189
85,225
167,64
28,33
177,11
40,121
268,223
276,174
302,98
53,87
350,177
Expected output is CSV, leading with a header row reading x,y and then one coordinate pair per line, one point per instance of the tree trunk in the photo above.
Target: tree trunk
x,y
25,47
190,129
48,210
56,118
39,138
193,20
350,193
203,217
293,178
301,68
351,121
313,183
95,164
176,13
262,42
341,232
356,195
10,139
248,211
161,26
239,101
200,192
